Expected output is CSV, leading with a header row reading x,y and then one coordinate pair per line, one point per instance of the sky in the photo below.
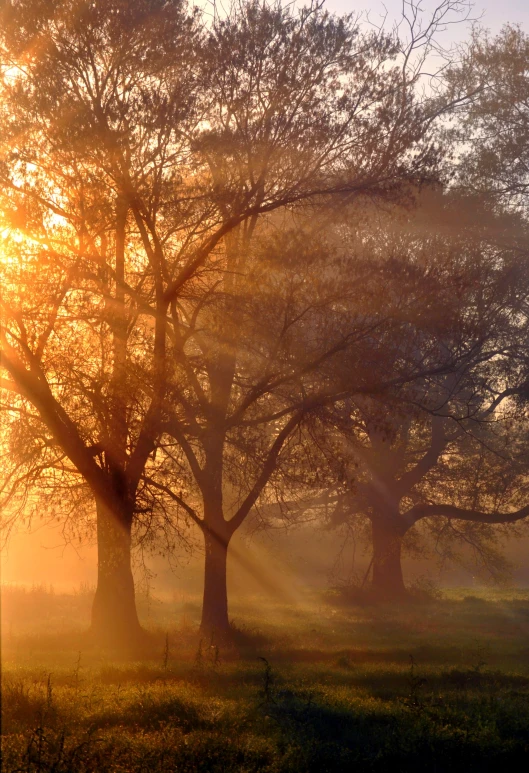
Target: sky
x,y
495,13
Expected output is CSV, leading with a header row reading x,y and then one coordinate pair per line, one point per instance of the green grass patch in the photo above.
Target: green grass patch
x,y
431,686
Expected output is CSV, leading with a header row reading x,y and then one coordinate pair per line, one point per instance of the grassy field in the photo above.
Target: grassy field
x,y
319,686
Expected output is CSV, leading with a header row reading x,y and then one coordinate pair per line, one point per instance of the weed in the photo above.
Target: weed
x,y
49,693
165,660
266,690
76,672
199,657
215,655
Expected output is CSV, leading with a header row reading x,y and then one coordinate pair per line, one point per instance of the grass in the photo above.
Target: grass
x,y
318,687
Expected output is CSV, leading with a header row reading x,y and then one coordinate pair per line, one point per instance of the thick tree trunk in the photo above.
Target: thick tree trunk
x,y
387,583
215,602
114,616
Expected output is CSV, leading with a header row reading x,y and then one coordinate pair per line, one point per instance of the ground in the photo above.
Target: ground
x,y
441,684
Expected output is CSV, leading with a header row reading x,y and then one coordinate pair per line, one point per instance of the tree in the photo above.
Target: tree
x,y
142,157
492,129
438,473
412,454
330,119
95,102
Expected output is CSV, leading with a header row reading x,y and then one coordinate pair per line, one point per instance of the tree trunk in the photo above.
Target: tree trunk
x,y
387,583
114,616
215,602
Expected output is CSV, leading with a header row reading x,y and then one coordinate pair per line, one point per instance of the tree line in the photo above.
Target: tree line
x,y
260,264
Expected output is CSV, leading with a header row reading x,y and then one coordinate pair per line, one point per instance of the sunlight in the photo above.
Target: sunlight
x,y
264,387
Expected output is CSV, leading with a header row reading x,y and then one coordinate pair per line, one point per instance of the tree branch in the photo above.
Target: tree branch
x,y
418,512
267,470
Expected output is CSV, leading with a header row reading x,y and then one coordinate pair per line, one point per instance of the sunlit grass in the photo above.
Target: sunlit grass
x,y
442,683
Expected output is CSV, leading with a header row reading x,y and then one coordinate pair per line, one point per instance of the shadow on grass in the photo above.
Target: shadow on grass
x,y
416,736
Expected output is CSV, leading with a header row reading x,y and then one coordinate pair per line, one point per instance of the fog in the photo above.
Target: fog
x,y
264,386
280,565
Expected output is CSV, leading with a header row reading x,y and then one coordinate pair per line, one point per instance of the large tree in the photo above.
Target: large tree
x,y
318,317
96,100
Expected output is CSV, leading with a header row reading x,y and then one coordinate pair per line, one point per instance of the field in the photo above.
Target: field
x,y
437,685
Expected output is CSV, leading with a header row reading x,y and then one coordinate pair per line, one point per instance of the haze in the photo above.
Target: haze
x,y
264,403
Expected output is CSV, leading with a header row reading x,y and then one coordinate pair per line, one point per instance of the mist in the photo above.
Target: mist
x,y
264,386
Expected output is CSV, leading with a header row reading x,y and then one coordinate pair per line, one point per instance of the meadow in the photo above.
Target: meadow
x,y
323,685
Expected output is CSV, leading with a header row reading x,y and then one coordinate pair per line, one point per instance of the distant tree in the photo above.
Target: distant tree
x,y
413,453
412,469
480,462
